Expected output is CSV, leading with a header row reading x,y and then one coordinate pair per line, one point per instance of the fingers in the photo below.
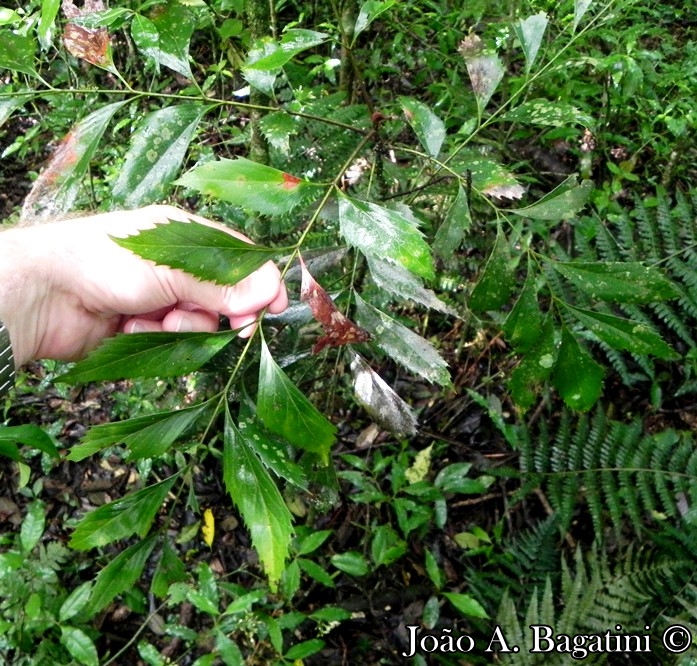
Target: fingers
x,y
179,320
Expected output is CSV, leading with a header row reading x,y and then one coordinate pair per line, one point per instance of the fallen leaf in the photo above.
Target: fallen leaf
x,y
208,527
339,329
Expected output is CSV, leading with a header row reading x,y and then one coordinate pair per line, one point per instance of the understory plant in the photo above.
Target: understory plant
x,y
404,203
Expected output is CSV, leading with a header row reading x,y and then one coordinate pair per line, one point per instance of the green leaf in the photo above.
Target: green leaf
x,y
428,127
351,563
529,32
244,183
120,574
397,280
624,334
131,355
370,10
285,410
489,177
156,153
497,281
277,128
293,41
166,37
385,233
80,646
55,190
410,350
383,405
49,11
563,202
548,114
454,228
534,369
618,282
228,650
466,604
524,322
313,541
28,435
259,502
316,572
305,649
33,526
454,478
203,251
76,602
170,569
386,546
272,453
17,52
120,519
146,436
577,377
9,105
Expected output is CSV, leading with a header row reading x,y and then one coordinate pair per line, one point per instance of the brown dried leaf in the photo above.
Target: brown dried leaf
x,y
89,44
339,329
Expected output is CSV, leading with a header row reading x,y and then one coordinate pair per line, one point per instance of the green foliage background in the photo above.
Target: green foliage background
x,y
502,195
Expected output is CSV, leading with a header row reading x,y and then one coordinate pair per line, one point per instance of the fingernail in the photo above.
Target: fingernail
x,y
184,325
137,327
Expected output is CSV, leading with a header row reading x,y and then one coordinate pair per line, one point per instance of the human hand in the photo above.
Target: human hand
x,y
66,285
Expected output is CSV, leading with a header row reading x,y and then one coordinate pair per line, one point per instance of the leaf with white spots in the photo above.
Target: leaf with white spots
x,y
385,233
410,350
383,405
563,202
428,127
489,177
549,114
156,153
258,500
580,9
485,69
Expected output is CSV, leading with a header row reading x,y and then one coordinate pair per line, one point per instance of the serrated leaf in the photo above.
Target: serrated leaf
x,y
17,52
624,334
577,377
33,526
548,114
293,41
454,228
369,11
410,350
28,435
524,322
530,32
120,574
166,37
497,281
428,127
79,645
466,604
277,128
490,178
285,410
397,280
244,183
561,203
127,356
203,251
618,282
385,233
120,519
146,436
259,502
383,405
170,569
55,190
75,602
156,153
535,368
580,9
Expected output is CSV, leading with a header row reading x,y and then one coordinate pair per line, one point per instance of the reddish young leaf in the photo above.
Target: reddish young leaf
x,y
339,329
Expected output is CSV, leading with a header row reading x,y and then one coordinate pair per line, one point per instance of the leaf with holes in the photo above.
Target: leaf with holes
x,y
285,410
339,330
259,501
250,185
156,153
383,405
410,350
428,127
385,233
201,250
56,188
127,356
